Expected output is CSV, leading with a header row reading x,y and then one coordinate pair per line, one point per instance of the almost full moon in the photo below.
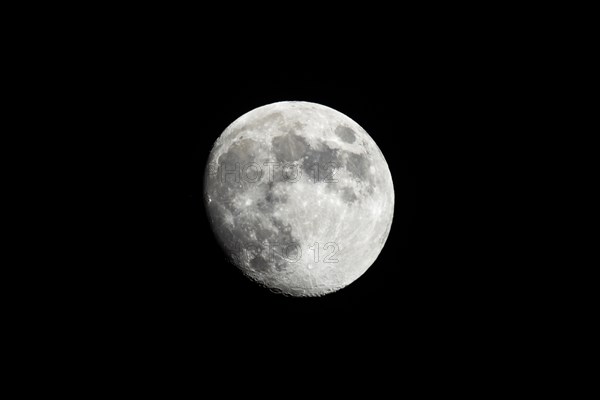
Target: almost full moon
x,y
299,196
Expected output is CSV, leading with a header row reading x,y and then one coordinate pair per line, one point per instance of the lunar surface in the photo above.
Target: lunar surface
x,y
299,196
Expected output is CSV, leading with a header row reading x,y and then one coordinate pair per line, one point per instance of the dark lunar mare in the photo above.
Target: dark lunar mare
x,y
345,133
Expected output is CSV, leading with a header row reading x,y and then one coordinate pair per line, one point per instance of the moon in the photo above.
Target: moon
x,y
299,197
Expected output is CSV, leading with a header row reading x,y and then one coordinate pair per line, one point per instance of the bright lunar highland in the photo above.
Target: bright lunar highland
x,y
299,196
